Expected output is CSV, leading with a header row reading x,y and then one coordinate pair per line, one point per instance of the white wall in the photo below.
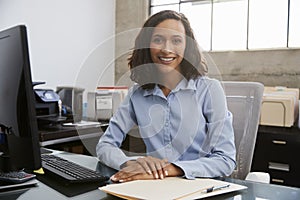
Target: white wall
x,y
71,41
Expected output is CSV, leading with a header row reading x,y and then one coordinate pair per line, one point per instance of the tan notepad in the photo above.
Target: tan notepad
x,y
170,188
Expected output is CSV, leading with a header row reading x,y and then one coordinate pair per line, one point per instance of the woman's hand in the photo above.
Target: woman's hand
x,y
142,168
146,168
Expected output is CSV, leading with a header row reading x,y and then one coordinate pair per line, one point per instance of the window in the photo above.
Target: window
x,y
164,2
268,23
239,24
294,24
159,5
229,25
156,9
199,16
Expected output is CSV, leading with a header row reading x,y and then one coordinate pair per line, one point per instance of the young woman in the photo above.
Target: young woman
x,y
182,114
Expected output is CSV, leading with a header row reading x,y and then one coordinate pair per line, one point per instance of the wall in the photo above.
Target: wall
x,y
130,17
271,67
279,67
70,40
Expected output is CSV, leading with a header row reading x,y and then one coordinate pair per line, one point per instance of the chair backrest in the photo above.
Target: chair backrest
x,y
244,102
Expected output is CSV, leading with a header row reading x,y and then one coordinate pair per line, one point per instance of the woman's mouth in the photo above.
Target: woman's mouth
x,y
166,59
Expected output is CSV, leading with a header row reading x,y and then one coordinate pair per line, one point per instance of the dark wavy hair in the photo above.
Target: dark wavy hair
x,y
141,65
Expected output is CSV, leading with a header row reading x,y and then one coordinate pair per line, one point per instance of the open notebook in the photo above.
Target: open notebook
x,y
170,188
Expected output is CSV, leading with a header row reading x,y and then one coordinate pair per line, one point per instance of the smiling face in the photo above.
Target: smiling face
x,y
167,45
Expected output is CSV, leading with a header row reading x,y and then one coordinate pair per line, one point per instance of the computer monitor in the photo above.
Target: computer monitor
x,y
20,148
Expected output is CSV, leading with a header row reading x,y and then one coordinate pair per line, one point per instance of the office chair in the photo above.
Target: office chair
x,y
244,102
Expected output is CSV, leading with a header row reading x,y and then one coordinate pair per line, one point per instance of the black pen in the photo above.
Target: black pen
x,y
214,188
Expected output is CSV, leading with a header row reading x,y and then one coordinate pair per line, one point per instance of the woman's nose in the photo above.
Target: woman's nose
x,y
167,47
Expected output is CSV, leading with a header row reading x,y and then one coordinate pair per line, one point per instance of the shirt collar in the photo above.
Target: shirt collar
x,y
182,85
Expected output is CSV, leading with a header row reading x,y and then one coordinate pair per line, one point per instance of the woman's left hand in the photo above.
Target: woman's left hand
x,y
142,168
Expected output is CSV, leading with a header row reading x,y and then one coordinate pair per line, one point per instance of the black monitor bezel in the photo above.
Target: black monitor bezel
x,y
23,145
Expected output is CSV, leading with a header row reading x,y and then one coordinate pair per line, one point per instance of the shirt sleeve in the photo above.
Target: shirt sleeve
x,y
108,148
219,143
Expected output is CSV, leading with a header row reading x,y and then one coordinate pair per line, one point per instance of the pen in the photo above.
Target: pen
x,y
214,188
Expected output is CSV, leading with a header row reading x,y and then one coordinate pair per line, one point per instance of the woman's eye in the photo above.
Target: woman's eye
x,y
157,40
177,41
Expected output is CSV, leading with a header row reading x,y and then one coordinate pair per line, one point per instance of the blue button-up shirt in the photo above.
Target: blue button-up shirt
x,y
191,127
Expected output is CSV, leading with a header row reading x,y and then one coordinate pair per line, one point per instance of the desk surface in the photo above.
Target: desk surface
x,y
43,191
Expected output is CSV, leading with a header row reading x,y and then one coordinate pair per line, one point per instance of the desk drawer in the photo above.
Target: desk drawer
x,y
284,178
276,152
284,173
278,147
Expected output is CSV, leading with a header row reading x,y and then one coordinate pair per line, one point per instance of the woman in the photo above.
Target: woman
x,y
181,114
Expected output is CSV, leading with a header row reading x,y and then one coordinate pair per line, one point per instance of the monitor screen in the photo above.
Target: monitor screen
x,y
18,121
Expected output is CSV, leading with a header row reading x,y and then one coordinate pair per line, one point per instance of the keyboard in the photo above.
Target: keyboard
x,y
16,176
69,171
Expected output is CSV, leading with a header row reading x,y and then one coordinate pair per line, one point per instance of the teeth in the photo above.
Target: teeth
x,y
166,59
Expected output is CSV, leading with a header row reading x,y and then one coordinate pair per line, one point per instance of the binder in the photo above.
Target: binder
x,y
170,188
279,106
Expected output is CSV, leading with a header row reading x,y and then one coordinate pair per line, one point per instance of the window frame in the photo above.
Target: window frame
x,y
287,45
